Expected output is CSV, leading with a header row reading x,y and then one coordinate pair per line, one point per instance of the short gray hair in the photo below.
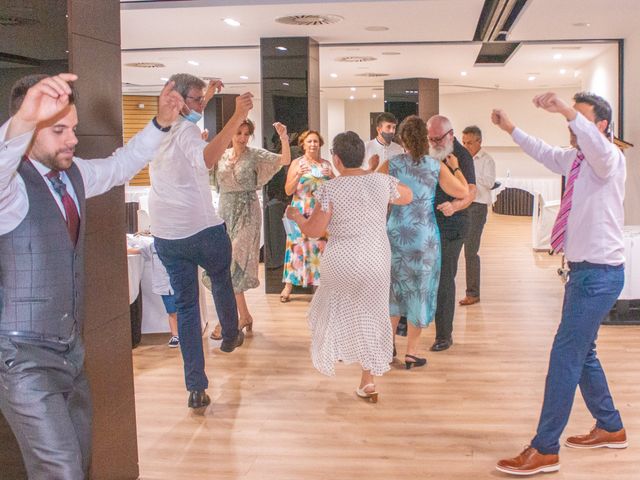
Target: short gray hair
x,y
473,130
185,82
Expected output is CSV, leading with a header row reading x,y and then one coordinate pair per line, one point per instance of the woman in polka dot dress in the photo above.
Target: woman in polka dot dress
x,y
349,314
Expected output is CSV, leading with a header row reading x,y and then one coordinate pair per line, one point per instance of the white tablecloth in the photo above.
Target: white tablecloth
x,y
631,290
549,187
154,315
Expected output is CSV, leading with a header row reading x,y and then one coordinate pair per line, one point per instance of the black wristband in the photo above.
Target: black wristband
x,y
154,120
455,170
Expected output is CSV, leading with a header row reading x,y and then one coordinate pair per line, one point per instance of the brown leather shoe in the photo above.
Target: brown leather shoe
x,y
469,301
529,462
599,438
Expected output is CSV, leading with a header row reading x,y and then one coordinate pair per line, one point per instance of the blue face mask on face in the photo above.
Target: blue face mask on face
x,y
193,116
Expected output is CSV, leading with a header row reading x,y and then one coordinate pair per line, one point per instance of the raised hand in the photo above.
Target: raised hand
x,y
46,98
550,102
215,86
244,103
500,118
374,161
281,129
170,103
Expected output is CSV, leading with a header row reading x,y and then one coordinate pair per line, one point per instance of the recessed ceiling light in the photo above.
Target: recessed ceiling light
x,y
231,22
581,24
557,56
531,78
164,79
193,62
244,77
353,89
286,84
351,97
390,53
374,96
464,74
282,49
333,75
563,71
376,28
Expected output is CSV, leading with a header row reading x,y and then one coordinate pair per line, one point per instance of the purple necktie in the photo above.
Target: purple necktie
x,y
560,226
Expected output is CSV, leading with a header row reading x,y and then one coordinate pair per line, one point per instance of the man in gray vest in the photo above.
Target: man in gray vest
x,y
44,394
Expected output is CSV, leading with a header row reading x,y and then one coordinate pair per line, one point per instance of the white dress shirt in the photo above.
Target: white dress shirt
x,y
594,229
180,201
485,169
98,175
385,152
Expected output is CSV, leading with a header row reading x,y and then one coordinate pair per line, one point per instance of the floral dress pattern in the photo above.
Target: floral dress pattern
x,y
415,242
237,182
302,256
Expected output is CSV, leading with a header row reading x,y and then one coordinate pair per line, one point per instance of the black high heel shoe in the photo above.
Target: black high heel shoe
x,y
417,361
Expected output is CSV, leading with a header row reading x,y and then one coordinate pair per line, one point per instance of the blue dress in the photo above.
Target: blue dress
x,y
415,242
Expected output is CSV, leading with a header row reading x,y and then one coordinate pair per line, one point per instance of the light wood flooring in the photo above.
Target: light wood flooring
x,y
274,416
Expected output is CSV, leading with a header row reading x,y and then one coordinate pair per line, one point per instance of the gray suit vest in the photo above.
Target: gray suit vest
x,y
41,271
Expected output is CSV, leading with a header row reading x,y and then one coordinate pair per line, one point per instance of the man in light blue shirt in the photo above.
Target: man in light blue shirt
x,y
589,231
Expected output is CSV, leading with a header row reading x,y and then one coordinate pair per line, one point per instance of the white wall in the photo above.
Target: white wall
x,y
332,121
632,126
474,108
600,76
357,115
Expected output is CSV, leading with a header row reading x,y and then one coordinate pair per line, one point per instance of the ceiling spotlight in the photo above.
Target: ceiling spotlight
x,y
374,96
164,79
581,24
563,71
376,28
464,74
353,89
193,62
333,75
557,56
531,78
351,97
244,77
285,84
282,49
231,22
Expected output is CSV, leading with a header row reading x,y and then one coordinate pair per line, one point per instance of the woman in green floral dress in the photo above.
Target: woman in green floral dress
x,y
306,174
239,173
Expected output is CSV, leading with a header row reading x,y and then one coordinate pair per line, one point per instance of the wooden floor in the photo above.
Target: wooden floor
x,y
274,416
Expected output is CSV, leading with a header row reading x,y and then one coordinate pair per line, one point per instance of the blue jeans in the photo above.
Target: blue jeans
x,y
211,250
590,293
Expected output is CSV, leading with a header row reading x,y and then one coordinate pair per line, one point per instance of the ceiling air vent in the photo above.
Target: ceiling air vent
x,y
372,74
309,20
355,59
145,65
7,19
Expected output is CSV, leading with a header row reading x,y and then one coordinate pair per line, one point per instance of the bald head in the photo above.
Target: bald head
x,y
440,134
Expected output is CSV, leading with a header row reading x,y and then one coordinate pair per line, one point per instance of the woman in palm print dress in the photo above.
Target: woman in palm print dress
x,y
413,233
305,175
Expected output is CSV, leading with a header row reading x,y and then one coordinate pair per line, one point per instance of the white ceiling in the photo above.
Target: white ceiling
x,y
167,34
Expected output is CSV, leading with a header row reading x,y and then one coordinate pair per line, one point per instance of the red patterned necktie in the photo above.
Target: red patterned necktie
x,y
73,219
560,226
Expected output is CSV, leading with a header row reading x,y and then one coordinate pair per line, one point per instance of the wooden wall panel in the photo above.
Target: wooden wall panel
x,y
137,111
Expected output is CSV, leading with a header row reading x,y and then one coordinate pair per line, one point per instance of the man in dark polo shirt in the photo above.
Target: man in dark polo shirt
x,y
453,223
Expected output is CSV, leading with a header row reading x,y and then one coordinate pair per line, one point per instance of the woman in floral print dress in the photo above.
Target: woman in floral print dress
x,y
306,174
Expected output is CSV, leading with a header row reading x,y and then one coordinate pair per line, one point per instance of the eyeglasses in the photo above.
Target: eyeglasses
x,y
439,139
196,99
331,151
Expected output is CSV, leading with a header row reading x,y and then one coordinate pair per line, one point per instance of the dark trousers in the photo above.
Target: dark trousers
x,y
450,246
211,250
589,294
477,218
45,398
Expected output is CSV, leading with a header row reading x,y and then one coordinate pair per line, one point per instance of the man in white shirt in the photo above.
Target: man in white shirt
x,y
485,169
589,231
187,231
382,148
44,394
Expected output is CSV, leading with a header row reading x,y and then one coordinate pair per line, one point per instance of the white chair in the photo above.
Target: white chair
x,y
544,216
